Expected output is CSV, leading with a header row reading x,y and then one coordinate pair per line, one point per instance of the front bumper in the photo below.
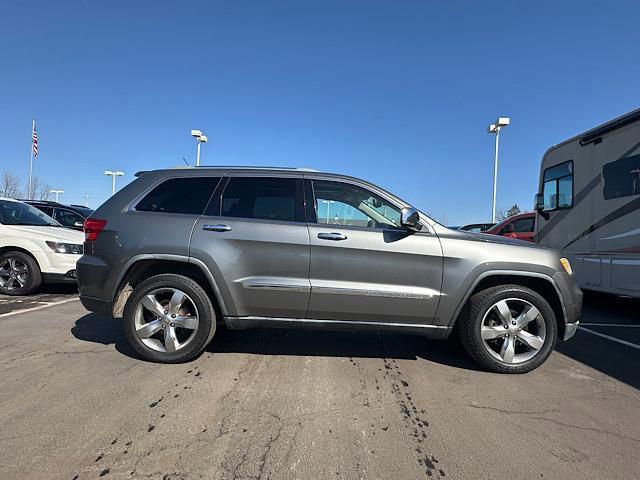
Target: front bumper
x,y
68,277
571,301
570,330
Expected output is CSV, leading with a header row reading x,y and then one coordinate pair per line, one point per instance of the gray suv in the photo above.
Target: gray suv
x,y
180,252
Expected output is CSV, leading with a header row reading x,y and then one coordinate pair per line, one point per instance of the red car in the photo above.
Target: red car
x,y
519,226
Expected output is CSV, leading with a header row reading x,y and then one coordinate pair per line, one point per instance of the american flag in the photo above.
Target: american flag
x,y
34,137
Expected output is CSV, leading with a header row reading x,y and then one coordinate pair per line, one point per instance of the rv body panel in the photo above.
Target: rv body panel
x,y
596,222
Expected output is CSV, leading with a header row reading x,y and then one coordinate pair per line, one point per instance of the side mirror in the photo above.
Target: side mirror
x,y
538,202
78,224
411,219
538,206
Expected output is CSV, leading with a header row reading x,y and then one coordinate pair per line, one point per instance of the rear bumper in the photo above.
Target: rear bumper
x,y
97,305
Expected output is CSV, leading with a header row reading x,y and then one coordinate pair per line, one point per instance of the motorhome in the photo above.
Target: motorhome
x,y
588,205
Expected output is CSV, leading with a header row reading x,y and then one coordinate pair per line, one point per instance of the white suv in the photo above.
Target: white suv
x,y
34,248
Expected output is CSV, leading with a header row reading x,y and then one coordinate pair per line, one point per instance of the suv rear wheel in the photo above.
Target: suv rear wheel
x,y
19,274
509,329
169,319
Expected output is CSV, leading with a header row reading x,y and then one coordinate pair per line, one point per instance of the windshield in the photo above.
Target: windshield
x,y
18,213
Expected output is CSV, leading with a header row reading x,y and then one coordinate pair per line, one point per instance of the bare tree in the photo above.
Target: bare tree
x,y
39,189
502,214
9,185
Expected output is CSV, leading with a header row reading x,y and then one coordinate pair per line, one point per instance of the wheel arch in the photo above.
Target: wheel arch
x,y
538,282
144,266
13,248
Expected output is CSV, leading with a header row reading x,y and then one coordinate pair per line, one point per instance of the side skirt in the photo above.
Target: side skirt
x,y
431,331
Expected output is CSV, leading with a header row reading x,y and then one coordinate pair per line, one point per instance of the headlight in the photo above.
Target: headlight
x,y
72,248
567,266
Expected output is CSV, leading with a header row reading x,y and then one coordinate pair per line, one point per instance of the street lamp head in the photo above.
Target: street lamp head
x,y
108,172
203,139
118,173
196,133
503,121
492,128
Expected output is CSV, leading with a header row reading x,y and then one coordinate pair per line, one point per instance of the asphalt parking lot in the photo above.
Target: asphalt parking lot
x,y
283,404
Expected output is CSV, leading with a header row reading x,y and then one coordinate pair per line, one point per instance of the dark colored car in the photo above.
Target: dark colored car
x,y
477,227
178,252
519,226
70,216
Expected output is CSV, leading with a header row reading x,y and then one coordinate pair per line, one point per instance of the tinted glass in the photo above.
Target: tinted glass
x,y
523,225
550,193
622,178
558,186
47,210
558,171
264,198
18,213
180,195
67,218
340,203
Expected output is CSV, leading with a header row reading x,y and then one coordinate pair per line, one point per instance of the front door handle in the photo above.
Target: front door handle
x,y
332,236
216,228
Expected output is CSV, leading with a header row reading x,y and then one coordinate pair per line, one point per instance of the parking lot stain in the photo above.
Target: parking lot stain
x,y
417,424
151,428
99,458
104,472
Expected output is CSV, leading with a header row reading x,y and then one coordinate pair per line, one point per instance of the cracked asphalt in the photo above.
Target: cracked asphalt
x,y
277,404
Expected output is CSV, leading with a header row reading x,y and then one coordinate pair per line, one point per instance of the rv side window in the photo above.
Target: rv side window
x,y
558,186
621,178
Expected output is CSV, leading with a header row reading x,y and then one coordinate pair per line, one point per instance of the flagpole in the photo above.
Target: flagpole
x,y
29,192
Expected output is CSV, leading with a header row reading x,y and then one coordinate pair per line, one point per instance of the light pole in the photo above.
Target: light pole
x,y
495,129
200,138
328,202
56,192
113,174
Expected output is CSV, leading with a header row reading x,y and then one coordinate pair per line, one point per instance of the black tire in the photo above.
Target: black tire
x,y
470,325
33,274
206,318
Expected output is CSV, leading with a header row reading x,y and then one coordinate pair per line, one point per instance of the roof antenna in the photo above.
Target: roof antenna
x,y
185,161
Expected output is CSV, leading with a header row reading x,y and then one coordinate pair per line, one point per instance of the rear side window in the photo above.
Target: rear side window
x,y
558,186
67,218
523,225
264,198
621,178
180,195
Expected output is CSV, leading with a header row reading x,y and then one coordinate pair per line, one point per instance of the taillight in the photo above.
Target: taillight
x,y
92,227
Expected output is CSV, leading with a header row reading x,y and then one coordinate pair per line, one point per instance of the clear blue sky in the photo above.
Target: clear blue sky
x,y
399,93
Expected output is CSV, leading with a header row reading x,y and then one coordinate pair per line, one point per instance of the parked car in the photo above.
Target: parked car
x,y
477,227
70,216
177,252
34,248
519,226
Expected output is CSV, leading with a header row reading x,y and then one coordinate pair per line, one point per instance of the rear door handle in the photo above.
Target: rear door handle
x,y
216,228
332,236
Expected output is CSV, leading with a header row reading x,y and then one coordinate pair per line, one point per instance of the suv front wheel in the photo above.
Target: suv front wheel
x,y
169,319
509,329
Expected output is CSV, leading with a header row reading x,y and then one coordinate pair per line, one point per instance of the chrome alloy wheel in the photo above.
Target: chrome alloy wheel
x,y
166,320
513,331
14,274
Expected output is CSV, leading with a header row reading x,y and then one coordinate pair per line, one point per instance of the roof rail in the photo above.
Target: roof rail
x,y
594,135
258,167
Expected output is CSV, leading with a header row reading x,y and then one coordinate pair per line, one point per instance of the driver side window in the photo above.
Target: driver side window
x,y
339,203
